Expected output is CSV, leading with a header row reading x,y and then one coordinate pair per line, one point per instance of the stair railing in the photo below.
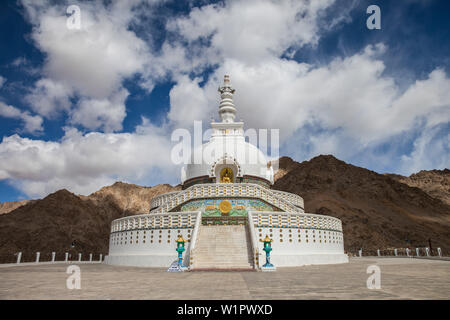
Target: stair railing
x,y
198,222
253,240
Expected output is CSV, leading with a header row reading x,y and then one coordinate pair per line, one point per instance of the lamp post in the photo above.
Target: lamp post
x,y
180,249
267,248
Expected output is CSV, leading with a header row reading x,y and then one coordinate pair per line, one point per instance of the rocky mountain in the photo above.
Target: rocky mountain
x,y
376,210
9,206
434,182
129,197
53,223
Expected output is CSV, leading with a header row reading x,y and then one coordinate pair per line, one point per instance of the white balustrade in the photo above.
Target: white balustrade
x,y
297,220
283,200
157,221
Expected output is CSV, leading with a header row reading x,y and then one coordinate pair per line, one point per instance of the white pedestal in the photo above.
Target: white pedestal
x,y
269,268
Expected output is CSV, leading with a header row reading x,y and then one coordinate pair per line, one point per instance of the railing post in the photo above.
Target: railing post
x,y
439,252
66,258
417,252
378,252
427,251
53,256
254,245
90,257
407,252
101,257
197,224
38,255
360,253
19,257
395,251
79,257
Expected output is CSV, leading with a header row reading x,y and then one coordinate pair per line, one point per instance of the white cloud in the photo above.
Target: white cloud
x,y
431,151
251,31
84,163
31,124
90,63
183,112
104,114
350,102
49,97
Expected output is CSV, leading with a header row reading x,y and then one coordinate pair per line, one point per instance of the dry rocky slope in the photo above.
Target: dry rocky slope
x,y
434,182
9,206
53,223
377,211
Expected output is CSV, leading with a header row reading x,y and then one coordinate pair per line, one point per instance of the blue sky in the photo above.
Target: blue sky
x,y
80,109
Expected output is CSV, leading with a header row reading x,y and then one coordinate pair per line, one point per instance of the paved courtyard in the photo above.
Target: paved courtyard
x,y
401,278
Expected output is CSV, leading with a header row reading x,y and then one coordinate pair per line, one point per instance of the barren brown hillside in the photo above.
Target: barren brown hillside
x,y
9,206
53,223
434,182
376,210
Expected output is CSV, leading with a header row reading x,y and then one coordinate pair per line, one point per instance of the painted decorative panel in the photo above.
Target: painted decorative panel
x,y
239,207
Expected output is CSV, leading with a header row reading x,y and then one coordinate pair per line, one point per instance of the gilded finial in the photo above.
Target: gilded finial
x,y
267,239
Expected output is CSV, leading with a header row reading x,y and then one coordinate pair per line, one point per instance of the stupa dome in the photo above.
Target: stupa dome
x,y
227,148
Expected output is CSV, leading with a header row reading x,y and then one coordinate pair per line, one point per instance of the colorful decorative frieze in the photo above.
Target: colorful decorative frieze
x,y
239,207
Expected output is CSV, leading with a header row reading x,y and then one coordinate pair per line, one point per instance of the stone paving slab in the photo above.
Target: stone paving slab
x,y
401,278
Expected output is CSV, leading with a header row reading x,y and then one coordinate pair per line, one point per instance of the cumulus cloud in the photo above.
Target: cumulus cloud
x,y
104,114
31,124
350,102
49,97
83,163
89,64
251,31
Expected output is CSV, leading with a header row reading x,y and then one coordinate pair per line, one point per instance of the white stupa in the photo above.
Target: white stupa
x,y
225,211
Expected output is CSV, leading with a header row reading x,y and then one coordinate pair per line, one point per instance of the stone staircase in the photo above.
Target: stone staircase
x,y
222,248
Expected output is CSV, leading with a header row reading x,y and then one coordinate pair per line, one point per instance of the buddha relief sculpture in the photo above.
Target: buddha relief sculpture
x,y
226,175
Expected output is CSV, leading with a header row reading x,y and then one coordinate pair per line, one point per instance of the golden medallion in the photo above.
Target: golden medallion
x,y
225,206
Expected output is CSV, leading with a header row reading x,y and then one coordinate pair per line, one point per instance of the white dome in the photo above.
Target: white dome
x,y
228,151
